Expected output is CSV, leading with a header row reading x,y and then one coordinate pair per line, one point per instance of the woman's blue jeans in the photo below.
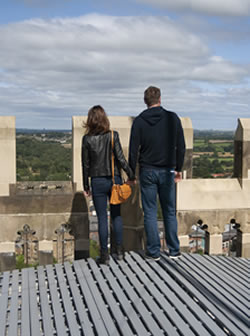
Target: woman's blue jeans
x,y
101,191
160,182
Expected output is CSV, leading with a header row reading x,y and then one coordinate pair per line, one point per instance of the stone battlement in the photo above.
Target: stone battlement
x,y
48,207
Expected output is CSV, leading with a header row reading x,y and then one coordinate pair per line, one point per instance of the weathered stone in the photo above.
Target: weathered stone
x,y
45,257
7,261
7,154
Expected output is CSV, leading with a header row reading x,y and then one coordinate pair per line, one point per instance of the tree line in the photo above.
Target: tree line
x,y
42,161
48,157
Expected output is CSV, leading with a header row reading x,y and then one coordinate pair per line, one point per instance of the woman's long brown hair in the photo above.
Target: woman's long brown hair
x,y
97,122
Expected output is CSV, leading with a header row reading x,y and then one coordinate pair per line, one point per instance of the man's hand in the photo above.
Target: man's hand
x,y
131,182
178,177
87,193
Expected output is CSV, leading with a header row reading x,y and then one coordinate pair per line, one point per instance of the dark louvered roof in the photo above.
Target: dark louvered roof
x,y
195,295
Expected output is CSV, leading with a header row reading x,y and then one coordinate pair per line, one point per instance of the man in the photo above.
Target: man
x,y
157,136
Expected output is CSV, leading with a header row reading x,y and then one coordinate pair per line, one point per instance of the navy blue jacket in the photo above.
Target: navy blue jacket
x,y
157,136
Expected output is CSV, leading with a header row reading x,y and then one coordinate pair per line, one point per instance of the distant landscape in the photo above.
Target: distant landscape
x,y
46,155
213,154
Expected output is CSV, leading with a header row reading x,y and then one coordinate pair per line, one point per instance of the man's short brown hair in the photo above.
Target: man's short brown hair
x,y
152,95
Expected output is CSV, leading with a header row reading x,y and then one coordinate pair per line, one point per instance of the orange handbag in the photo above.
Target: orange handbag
x,y
119,193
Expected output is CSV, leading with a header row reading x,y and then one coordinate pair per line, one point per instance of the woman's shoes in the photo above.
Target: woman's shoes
x,y
104,258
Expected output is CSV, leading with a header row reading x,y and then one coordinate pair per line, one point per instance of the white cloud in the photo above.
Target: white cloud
x,y
210,7
41,3
53,69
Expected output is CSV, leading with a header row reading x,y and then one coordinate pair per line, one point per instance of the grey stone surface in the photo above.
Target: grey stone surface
x,y
45,257
7,261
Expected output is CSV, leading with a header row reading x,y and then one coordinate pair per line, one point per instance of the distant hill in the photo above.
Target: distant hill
x,y
39,131
214,134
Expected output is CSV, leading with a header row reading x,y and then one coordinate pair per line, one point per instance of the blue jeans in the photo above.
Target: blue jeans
x,y
101,191
153,182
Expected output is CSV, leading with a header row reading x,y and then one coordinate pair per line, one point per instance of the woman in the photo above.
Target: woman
x,y
96,163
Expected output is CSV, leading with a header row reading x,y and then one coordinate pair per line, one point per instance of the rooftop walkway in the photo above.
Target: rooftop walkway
x,y
195,295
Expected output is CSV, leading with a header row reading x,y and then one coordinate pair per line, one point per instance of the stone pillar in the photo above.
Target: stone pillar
x,y
215,244
242,150
246,245
184,243
242,172
7,154
189,135
77,134
45,252
187,171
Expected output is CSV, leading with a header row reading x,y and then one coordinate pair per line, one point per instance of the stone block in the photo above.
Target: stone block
x,y
184,243
246,245
215,244
7,261
45,257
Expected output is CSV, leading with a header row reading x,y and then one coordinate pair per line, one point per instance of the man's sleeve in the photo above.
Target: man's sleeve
x,y
134,144
180,147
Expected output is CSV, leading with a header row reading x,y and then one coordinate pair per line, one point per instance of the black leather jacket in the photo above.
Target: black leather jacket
x,y
96,157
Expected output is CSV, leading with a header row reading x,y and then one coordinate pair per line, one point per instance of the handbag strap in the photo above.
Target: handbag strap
x,y
113,159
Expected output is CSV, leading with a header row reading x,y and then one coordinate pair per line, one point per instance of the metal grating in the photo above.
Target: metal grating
x,y
194,295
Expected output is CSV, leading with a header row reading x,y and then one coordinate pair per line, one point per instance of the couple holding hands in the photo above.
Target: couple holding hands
x,y
157,142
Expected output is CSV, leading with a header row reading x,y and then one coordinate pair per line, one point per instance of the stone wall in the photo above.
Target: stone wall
x,y
45,207
217,201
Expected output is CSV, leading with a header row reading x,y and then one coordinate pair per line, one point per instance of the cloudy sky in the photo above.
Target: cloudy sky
x,y
60,57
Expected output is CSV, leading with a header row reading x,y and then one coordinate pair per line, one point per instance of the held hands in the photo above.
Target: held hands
x,y
87,193
178,176
131,182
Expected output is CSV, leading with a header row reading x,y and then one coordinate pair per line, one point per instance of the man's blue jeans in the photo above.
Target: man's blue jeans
x,y
160,182
101,191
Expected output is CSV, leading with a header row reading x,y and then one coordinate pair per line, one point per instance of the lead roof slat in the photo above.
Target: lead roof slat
x,y
114,307
229,321
162,304
193,306
25,309
169,287
80,306
33,306
93,309
4,302
223,292
67,303
100,303
13,319
195,295
227,272
45,306
136,299
112,274
152,312
56,304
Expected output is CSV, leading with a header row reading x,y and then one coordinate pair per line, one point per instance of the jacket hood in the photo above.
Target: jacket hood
x,y
153,115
